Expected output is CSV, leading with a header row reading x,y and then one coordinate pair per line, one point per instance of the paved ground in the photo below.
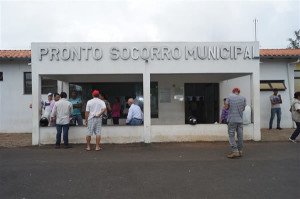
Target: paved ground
x,y
24,139
186,170
276,135
15,139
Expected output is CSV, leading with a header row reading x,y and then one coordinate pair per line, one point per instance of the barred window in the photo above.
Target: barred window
x,y
48,85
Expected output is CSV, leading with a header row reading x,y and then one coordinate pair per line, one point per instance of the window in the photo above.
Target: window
x,y
1,76
48,85
122,90
27,83
269,85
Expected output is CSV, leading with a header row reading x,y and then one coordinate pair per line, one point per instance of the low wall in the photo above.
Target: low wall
x,y
110,134
194,133
159,133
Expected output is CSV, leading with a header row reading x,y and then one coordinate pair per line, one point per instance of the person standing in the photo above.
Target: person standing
x,y
95,109
46,106
62,111
275,108
77,104
56,98
235,104
135,114
224,115
108,109
116,109
295,109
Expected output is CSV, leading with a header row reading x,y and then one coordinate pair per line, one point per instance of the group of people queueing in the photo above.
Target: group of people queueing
x,y
96,108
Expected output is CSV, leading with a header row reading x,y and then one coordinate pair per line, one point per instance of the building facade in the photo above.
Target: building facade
x,y
171,81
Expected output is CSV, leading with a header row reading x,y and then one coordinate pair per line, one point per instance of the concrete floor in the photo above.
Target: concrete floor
x,y
167,170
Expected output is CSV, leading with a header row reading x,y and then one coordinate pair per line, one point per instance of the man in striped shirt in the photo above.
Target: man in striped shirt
x,y
235,104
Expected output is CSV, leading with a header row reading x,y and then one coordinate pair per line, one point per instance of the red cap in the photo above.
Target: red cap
x,y
236,89
95,92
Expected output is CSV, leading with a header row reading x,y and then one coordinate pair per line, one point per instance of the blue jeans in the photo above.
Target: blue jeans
x,y
274,111
104,121
78,119
65,129
135,122
296,132
224,121
238,128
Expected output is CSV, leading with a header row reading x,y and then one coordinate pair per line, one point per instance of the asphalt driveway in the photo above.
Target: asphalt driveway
x,y
185,170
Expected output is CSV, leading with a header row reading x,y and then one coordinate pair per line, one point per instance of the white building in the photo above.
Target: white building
x,y
165,77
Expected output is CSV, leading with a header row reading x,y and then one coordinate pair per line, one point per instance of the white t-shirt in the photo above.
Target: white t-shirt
x,y
297,106
46,106
94,107
275,98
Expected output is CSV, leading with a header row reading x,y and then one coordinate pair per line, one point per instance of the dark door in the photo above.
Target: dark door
x,y
202,102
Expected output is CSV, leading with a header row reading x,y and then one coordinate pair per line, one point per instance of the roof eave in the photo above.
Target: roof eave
x,y
280,57
15,58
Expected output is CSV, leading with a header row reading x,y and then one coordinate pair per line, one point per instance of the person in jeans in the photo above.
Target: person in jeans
x,y
77,104
135,115
275,109
235,104
95,109
116,110
295,109
108,109
62,111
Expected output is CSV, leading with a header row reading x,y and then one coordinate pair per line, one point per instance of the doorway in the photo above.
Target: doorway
x,y
202,102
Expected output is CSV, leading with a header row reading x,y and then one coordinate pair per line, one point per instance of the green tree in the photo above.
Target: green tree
x,y
294,43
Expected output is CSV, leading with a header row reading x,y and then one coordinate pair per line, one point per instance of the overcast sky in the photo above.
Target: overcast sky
x,y
23,22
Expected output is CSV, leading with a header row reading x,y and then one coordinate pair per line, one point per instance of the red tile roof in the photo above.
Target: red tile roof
x,y
10,54
279,52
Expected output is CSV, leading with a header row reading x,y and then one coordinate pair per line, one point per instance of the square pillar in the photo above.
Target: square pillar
x,y
59,86
255,101
147,104
65,87
36,107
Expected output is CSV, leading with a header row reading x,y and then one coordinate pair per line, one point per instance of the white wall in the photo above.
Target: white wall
x,y
275,69
241,82
159,133
15,114
174,112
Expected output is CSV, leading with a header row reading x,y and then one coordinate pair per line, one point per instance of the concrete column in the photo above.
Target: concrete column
x,y
59,86
255,102
147,104
65,87
36,107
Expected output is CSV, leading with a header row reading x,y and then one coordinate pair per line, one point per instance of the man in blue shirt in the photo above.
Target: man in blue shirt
x,y
135,115
77,104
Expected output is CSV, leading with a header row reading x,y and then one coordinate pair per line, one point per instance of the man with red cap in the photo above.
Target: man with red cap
x,y
235,104
93,119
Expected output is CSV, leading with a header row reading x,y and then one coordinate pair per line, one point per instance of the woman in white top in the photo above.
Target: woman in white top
x,y
295,109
